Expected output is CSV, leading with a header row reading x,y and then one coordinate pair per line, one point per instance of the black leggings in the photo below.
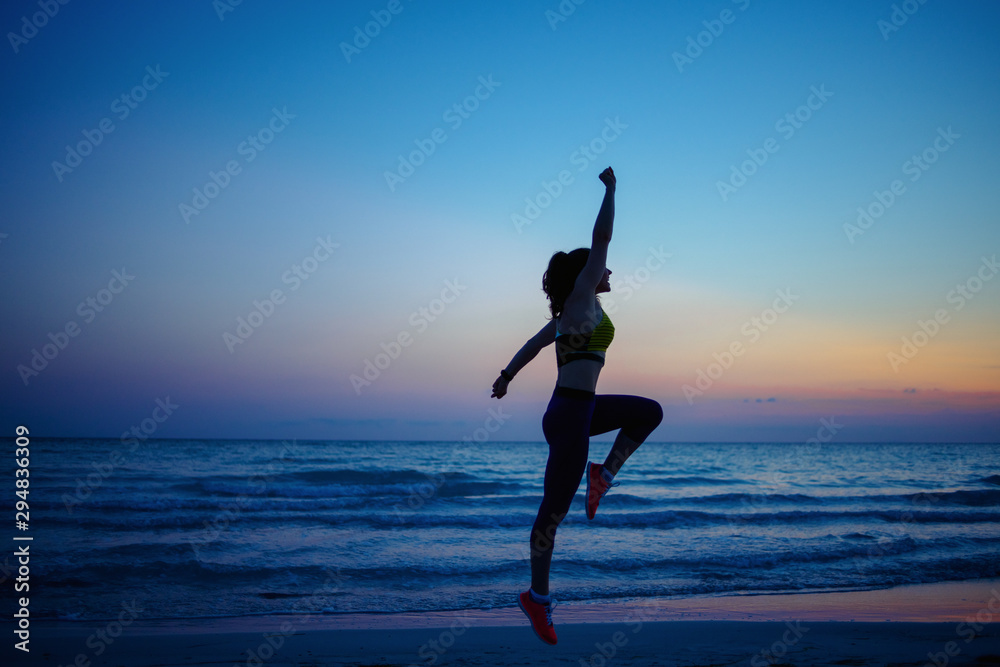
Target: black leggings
x,y
571,418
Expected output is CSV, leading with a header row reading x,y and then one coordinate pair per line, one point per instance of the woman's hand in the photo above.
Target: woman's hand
x,y
608,178
499,388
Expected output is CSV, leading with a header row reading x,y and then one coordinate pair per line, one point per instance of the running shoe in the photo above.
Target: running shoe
x,y
540,616
596,487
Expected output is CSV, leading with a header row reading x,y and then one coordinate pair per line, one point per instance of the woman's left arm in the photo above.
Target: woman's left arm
x,y
593,271
528,351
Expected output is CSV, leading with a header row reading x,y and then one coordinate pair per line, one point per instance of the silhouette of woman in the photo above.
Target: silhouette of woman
x,y
582,333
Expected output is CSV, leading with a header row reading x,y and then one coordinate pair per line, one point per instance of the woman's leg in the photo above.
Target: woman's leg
x,y
634,415
566,425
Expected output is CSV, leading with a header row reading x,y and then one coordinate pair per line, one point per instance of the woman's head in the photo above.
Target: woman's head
x,y
559,279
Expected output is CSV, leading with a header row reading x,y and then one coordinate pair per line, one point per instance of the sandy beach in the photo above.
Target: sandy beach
x,y
933,624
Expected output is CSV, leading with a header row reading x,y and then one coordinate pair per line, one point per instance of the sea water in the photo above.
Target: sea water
x,y
198,528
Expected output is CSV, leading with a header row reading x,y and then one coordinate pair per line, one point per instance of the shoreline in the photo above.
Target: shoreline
x,y
910,624
938,602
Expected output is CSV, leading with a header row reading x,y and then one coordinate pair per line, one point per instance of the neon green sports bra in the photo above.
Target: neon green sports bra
x,y
573,346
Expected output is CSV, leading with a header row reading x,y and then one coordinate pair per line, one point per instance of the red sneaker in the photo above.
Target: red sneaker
x,y
540,616
596,487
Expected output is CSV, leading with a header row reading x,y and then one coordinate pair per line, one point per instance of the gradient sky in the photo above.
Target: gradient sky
x,y
679,128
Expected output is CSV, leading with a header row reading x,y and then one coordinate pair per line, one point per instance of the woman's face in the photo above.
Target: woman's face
x,y
605,284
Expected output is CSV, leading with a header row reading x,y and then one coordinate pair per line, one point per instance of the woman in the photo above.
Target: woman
x,y
582,333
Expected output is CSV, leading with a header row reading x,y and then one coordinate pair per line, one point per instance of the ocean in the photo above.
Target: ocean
x,y
206,528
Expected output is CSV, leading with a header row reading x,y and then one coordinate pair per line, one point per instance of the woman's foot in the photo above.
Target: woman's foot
x,y
540,616
598,484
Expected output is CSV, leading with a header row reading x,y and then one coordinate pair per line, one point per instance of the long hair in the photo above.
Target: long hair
x,y
559,279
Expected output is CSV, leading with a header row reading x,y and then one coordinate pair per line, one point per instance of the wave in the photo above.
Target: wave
x,y
466,502
924,499
402,517
180,566
692,480
191,568
672,519
467,490
969,498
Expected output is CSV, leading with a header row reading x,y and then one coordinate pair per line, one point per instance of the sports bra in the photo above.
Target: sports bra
x,y
573,346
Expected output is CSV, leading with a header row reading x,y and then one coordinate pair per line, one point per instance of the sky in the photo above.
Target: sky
x,y
313,220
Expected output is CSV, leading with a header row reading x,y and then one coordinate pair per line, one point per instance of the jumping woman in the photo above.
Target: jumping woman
x,y
582,333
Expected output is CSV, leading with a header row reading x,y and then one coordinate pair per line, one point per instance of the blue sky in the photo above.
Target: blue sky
x,y
679,131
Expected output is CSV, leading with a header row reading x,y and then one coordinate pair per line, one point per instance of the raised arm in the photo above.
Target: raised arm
x,y
593,270
545,336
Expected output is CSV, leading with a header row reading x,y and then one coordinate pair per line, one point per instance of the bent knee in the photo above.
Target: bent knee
x,y
654,412
658,412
